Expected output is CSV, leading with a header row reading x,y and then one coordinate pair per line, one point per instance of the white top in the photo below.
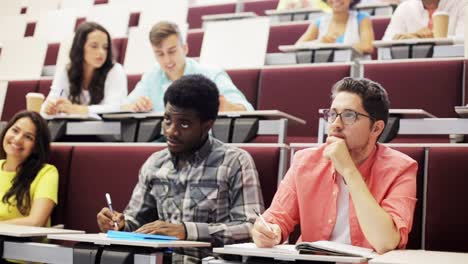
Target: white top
x,y
115,90
341,231
410,16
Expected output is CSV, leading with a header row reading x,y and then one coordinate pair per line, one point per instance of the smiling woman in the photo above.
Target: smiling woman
x,y
343,25
28,185
92,82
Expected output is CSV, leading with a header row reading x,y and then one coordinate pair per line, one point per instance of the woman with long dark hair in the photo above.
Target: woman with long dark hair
x,y
92,81
343,25
28,185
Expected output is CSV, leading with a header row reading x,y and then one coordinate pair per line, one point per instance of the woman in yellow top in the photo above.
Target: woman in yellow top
x,y
28,185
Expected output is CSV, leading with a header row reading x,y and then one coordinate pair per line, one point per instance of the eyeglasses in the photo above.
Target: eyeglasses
x,y
347,116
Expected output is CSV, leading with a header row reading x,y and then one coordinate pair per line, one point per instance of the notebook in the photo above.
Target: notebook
x,y
323,247
138,236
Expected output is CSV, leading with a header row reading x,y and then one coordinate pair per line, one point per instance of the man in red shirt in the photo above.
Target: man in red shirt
x,y
350,190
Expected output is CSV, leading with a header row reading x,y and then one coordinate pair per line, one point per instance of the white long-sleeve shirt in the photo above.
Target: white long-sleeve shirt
x,y
115,90
410,16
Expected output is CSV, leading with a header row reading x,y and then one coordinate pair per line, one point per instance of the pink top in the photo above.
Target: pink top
x,y
308,194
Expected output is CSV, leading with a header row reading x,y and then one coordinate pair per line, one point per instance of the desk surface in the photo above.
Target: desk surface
x,y
267,114
292,11
32,231
102,239
436,41
229,16
420,257
283,252
313,45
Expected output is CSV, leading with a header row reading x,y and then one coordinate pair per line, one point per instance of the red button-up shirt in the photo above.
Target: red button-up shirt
x,y
308,194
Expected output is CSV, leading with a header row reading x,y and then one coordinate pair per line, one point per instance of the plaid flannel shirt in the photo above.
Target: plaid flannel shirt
x,y
213,195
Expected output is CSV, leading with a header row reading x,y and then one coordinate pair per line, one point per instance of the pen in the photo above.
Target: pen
x,y
263,220
109,203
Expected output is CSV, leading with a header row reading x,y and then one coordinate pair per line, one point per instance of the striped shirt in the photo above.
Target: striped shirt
x,y
213,194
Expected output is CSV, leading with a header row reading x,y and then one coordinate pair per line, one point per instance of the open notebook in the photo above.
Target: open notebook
x,y
334,248
317,248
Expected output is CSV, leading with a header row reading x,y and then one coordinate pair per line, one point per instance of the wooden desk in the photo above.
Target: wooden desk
x,y
416,48
420,257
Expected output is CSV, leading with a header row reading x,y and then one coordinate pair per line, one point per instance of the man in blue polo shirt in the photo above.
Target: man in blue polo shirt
x,y
170,52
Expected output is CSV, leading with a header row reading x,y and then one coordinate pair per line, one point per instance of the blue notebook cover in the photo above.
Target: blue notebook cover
x,y
138,236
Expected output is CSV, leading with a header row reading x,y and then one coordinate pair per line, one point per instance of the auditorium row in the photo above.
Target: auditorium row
x,y
280,34
411,84
438,223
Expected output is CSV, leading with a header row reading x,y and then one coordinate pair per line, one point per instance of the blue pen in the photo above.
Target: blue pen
x,y
109,203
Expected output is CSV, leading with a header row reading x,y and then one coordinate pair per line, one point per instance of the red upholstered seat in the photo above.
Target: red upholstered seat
x,y
247,81
132,81
15,98
195,13
433,85
379,24
415,237
194,42
52,54
96,170
446,206
286,34
267,161
119,46
260,6
44,86
300,91
61,158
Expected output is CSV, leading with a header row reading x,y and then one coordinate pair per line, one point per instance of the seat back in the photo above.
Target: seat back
x,y
446,202
15,98
195,13
247,81
269,162
419,82
415,236
260,6
61,158
96,170
284,34
300,91
380,24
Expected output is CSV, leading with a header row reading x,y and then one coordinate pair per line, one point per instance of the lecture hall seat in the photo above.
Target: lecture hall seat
x,y
446,206
300,90
260,6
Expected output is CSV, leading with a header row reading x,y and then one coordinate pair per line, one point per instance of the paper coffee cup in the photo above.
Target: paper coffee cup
x,y
440,22
34,101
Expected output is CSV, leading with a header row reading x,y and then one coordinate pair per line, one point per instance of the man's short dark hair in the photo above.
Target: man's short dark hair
x,y
373,95
194,92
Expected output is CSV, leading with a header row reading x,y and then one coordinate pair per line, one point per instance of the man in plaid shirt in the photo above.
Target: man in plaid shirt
x,y
196,189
